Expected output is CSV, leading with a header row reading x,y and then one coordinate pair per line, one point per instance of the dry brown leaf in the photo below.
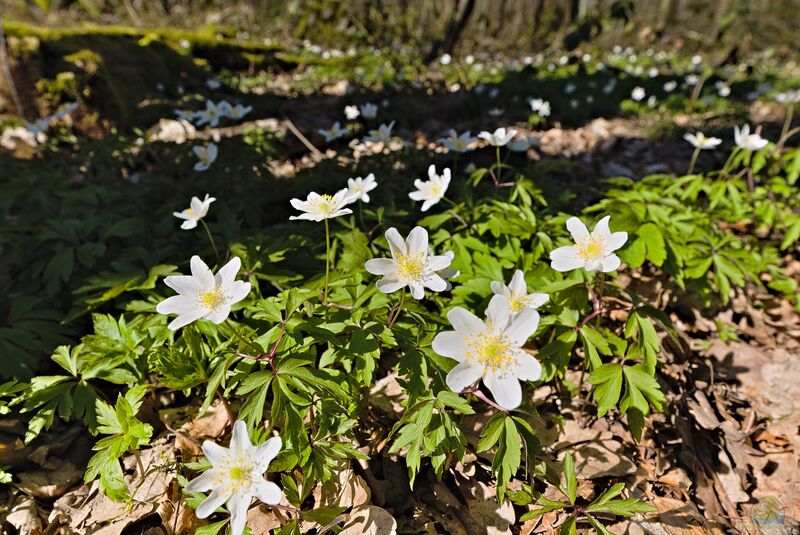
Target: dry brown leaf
x,y
369,520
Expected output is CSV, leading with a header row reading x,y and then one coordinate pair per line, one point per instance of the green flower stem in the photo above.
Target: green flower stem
x,y
241,338
475,391
786,124
327,262
211,239
695,154
394,313
733,153
499,166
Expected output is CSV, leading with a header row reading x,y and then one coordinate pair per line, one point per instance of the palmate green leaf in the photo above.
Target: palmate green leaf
x,y
211,529
608,387
626,508
546,505
508,457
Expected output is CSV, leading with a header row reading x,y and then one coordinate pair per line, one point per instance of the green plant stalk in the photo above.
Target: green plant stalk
x,y
241,338
327,262
499,166
394,313
211,239
695,154
786,124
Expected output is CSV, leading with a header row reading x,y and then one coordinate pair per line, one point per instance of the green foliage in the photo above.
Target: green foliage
x,y
126,434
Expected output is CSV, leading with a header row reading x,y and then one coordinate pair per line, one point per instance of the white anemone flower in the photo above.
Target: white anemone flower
x,y
499,137
207,155
516,293
700,141
540,107
318,207
236,477
382,135
336,131
411,264
638,93
491,350
351,113
213,84
458,142
211,115
448,272
358,188
747,141
197,210
368,110
203,295
239,111
592,250
431,191
670,86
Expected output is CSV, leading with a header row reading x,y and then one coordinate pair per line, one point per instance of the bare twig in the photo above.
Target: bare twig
x,y
5,59
299,135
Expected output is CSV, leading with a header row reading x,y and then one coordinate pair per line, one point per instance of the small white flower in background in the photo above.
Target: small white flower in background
x,y
236,477
700,141
368,110
638,93
197,210
213,84
516,293
469,60
592,250
211,115
446,59
609,87
569,88
39,126
670,86
692,79
652,72
496,112
521,144
239,111
431,191
697,59
499,137
351,113
747,141
320,207
358,188
203,295
336,131
574,104
382,135
491,350
206,155
651,101
788,97
224,107
458,142
540,106
723,89
411,264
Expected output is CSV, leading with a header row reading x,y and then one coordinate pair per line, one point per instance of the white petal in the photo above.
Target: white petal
x,y
217,497
264,453
417,241
463,375
219,315
238,504
464,321
227,273
417,291
505,390
427,204
518,285
591,265
438,263
498,288
180,215
214,452
498,313
238,291
189,224
183,284
397,245
601,229
381,266
186,318
522,326
387,285
240,440
616,240
201,272
535,300
435,283
451,344
202,483
527,367
177,304
297,204
610,263
269,493
565,259
307,217
576,228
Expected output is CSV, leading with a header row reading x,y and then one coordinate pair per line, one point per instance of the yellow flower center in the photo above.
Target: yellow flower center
x,y
516,305
459,144
237,473
490,349
411,267
590,248
212,299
